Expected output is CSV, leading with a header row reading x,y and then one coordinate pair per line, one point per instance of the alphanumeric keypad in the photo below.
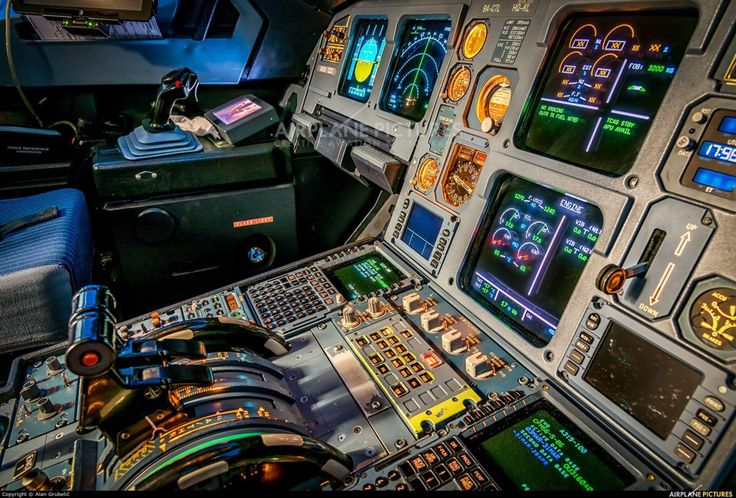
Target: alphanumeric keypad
x,y
292,297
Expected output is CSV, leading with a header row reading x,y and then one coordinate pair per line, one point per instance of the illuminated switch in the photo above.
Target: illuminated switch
x,y
431,321
412,303
453,342
478,366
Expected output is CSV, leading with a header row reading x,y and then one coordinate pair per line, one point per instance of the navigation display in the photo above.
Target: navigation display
x,y
533,245
365,56
422,230
364,275
603,87
540,449
415,68
644,381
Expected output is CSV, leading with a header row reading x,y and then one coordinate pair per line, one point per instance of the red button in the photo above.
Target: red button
x,y
90,359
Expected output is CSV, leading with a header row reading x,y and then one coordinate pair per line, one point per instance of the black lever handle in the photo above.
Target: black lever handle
x,y
175,85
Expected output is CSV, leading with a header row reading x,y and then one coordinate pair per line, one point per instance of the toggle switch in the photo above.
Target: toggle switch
x,y
479,366
453,342
432,321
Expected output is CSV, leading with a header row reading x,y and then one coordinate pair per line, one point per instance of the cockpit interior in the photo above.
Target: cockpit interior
x,y
377,245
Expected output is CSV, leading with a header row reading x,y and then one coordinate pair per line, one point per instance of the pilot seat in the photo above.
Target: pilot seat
x,y
45,256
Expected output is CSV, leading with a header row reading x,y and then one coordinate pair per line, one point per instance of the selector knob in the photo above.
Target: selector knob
x,y
53,364
36,480
412,303
686,143
375,307
350,317
431,321
453,342
46,406
479,366
30,391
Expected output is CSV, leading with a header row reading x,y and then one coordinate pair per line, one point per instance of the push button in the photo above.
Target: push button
x,y
381,482
394,475
571,368
577,356
454,444
582,346
454,466
593,321
692,440
430,457
706,417
442,473
429,480
479,476
465,459
684,453
586,337
467,483
700,427
714,403
442,451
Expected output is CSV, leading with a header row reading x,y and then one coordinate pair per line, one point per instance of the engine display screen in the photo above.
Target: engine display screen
x,y
533,245
539,448
422,230
643,380
416,68
603,87
365,56
364,275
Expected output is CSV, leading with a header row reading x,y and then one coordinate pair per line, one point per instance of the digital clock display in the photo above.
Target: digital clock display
x,y
719,152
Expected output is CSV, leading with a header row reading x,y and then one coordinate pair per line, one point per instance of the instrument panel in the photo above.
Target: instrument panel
x,y
561,139
550,306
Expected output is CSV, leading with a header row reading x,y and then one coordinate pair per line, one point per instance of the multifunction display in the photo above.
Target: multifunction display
x,y
422,230
643,380
603,87
365,56
533,246
416,68
365,275
538,448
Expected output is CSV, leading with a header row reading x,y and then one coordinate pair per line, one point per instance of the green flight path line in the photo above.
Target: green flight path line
x,y
421,61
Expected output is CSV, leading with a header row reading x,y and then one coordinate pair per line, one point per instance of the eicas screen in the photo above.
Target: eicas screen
x,y
369,41
416,68
539,449
603,87
364,275
534,243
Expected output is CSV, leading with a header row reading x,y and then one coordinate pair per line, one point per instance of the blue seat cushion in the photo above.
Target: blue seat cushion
x,y
41,266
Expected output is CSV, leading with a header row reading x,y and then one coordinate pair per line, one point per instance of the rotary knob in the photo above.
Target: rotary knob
x,y
30,391
53,364
46,406
350,317
37,480
375,307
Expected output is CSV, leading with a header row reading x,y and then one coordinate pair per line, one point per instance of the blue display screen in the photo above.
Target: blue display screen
x,y
422,230
416,68
719,152
728,125
714,179
365,56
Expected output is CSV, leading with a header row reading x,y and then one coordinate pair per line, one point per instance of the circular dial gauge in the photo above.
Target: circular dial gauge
x,y
460,182
427,174
493,102
459,83
713,318
474,40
